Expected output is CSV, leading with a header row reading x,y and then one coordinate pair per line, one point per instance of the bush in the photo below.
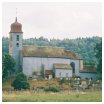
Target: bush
x,y
21,82
53,89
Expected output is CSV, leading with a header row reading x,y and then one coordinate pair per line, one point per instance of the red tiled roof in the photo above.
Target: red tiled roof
x,y
48,72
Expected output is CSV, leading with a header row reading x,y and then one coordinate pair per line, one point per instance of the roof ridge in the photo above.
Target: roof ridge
x,y
44,46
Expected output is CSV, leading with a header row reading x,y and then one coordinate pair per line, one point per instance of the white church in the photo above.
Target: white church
x,y
45,61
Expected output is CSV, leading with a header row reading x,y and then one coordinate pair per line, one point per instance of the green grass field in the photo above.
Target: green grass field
x,y
31,96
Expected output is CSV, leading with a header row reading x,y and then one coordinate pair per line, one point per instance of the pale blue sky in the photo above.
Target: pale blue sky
x,y
54,20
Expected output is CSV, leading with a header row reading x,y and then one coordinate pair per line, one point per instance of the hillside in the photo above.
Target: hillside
x,y
83,46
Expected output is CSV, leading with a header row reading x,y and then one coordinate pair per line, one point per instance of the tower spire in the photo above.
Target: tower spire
x,y
16,15
16,19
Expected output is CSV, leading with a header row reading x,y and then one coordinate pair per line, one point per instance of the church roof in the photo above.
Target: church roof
x,y
47,51
88,68
62,66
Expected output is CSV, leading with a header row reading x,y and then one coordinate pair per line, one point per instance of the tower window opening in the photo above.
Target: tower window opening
x,y
17,37
17,44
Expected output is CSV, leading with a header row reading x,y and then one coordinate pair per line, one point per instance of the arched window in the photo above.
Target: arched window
x,y
17,44
73,67
17,38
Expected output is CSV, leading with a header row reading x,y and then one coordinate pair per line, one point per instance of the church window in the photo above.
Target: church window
x,y
17,37
17,44
66,74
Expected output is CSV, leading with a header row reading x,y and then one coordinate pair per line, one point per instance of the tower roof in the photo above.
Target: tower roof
x,y
16,26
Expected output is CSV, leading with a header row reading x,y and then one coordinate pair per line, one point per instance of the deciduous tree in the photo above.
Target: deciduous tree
x,y
8,64
98,51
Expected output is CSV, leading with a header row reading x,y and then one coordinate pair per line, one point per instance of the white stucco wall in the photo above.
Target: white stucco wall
x,y
88,75
63,73
31,64
51,61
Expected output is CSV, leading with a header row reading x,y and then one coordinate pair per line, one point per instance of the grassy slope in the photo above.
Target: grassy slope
x,y
30,96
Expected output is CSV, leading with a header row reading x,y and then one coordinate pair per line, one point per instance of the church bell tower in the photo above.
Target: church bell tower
x,y
15,42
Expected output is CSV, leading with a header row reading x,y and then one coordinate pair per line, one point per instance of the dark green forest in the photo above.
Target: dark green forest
x,y
85,47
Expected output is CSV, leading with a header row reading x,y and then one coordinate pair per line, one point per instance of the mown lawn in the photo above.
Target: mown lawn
x,y
31,96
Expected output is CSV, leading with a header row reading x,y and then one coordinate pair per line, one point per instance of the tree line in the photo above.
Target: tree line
x,y
85,47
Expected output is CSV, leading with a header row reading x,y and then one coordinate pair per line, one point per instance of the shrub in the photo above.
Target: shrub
x,y
53,89
21,82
